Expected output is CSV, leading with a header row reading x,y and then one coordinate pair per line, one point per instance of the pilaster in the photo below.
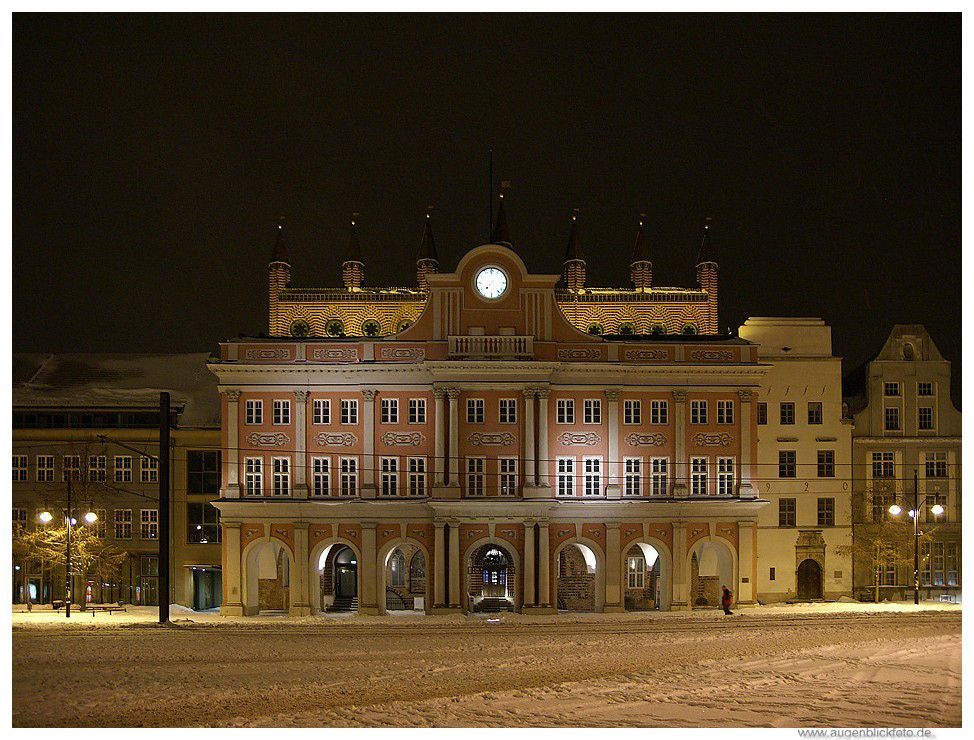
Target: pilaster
x,y
746,564
681,585
368,453
300,444
680,476
613,568
746,489
544,452
232,488
439,423
529,598
368,603
439,566
232,605
456,600
300,593
613,489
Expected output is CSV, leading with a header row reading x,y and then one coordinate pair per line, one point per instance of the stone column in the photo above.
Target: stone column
x,y
746,489
368,603
544,452
680,461
439,566
232,488
746,585
544,566
529,599
232,605
530,477
300,595
613,568
368,442
300,444
439,449
456,598
613,489
454,394
681,586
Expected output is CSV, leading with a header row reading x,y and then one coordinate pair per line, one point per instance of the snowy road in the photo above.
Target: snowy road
x,y
756,669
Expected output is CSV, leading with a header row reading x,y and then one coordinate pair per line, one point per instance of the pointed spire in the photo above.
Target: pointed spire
x,y
501,233
641,266
354,251
708,252
574,250
280,252
427,248
353,268
640,250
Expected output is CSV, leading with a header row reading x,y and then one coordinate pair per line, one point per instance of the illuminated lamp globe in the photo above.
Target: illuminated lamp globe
x,y
895,510
91,517
936,509
46,516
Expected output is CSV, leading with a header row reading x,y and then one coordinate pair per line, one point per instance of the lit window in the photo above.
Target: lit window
x,y
636,571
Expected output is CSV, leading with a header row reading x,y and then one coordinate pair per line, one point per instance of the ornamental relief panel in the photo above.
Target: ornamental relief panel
x,y
585,439
704,439
334,439
403,439
579,354
646,440
268,354
268,439
646,354
481,439
402,353
711,354
345,353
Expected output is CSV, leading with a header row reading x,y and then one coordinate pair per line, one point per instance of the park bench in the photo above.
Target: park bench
x,y
105,608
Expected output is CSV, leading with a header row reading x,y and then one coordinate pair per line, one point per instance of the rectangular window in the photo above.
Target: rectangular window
x,y
725,412
936,499
593,411
826,512
149,524
123,469
282,476
565,411
475,411
417,410
203,471
925,389
659,412
71,468
123,524
698,476
787,516
771,574
19,520
787,464
593,476
20,467
882,464
566,476
632,412
814,412
885,568
925,417
348,481
45,468
475,476
935,464
633,476
254,412
659,475
938,563
321,476
786,411
507,411
389,411
321,411
881,501
725,476
636,570
826,463
389,476
891,389
698,412
762,413
149,472
951,564
508,476
282,411
254,467
416,467
97,468
100,527
202,523
349,411
892,418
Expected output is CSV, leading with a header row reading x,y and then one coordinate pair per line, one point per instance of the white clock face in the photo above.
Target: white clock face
x,y
491,282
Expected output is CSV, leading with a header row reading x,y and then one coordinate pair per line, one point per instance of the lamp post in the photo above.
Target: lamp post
x,y
936,510
90,517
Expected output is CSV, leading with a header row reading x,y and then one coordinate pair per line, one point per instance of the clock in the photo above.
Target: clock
x,y
491,282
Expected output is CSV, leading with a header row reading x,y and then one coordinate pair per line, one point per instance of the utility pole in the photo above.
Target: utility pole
x,y
163,507
916,537
67,559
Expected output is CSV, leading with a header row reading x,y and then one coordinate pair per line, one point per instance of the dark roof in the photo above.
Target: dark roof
x,y
280,252
354,251
427,248
501,233
640,250
708,251
574,250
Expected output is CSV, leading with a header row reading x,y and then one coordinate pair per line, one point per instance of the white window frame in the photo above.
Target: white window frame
x,y
417,410
45,468
636,572
122,468
659,476
507,476
891,385
320,476
253,412
880,460
507,410
122,521
348,476
19,520
725,476
932,386
282,412
476,413
892,413
70,467
349,411
565,411
931,426
21,471
659,412
632,476
725,412
98,468
591,476
632,412
388,410
698,411
148,470
389,476
321,411
592,411
476,467
565,472
932,461
149,524
789,419
699,483
254,476
281,476
416,468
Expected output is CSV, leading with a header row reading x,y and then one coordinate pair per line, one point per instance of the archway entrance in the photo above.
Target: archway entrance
x,y
711,567
642,578
404,578
268,578
809,580
492,582
578,579
338,578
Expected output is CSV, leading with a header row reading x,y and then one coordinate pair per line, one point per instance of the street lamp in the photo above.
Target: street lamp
x,y
936,510
46,516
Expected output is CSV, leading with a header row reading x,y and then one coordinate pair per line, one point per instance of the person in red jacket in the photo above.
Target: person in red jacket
x,y
725,600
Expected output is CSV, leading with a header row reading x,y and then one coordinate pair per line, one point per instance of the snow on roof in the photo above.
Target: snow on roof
x,y
116,380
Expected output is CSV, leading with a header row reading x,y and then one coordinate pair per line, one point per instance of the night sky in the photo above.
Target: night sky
x,y
152,156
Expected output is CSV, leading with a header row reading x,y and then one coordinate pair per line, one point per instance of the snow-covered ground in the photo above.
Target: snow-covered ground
x,y
818,665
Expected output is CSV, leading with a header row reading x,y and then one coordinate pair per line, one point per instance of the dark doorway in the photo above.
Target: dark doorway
x,y
495,574
207,589
809,580
346,574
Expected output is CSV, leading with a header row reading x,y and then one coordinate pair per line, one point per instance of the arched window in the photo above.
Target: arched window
x,y
627,329
689,329
908,351
371,328
595,328
397,567
658,329
417,567
335,328
300,328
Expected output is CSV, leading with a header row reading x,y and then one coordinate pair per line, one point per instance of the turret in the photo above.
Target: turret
x,y
353,268
707,277
426,261
501,233
573,266
641,266
279,278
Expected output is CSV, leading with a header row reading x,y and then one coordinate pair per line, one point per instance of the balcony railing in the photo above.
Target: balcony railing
x,y
491,346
